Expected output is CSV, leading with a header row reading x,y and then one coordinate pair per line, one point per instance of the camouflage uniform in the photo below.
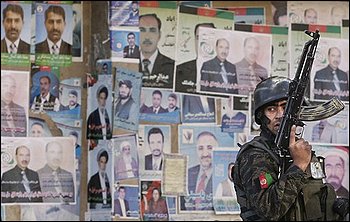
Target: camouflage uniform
x,y
273,202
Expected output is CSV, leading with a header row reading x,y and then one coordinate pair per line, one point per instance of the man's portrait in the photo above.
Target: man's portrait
x,y
45,101
218,74
125,105
310,16
126,163
156,106
13,23
187,71
37,130
54,180
13,115
99,187
72,101
55,22
249,72
172,103
331,81
155,142
338,14
133,18
121,205
335,163
157,68
21,184
98,123
131,50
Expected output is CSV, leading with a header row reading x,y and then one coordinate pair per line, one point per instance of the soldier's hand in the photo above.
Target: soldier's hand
x,y
300,150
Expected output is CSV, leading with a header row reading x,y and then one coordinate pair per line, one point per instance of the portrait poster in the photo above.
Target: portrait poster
x,y
38,128
336,166
153,203
280,54
198,143
174,180
21,55
160,106
103,66
124,13
120,44
69,94
153,140
186,51
44,54
100,164
37,184
14,103
162,73
297,40
240,77
248,15
345,29
125,158
78,32
126,99
333,130
332,59
323,13
225,198
44,92
241,105
131,198
232,121
198,109
99,105
72,129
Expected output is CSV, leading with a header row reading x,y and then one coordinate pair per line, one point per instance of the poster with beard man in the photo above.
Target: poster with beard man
x,y
127,99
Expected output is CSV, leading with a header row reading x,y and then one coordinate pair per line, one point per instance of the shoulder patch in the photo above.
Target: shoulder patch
x,y
265,180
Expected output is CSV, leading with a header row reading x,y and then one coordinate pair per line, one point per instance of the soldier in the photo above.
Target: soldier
x,y
263,192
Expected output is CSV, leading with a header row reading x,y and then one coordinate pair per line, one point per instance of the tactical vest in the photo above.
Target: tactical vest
x,y
315,200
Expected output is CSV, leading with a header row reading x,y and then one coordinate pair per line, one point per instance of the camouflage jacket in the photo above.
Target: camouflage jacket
x,y
262,192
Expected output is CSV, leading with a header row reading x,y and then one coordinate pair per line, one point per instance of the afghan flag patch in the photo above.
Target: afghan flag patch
x,y
265,180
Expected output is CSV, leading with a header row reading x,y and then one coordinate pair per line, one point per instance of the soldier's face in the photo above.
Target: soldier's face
x,y
205,145
222,49
8,89
54,26
23,157
334,170
156,144
54,155
149,35
274,113
13,25
334,58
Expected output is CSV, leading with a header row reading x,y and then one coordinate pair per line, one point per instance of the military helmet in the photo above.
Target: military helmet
x,y
269,90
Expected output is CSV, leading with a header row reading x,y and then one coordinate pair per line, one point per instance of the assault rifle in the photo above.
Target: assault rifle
x,y
294,112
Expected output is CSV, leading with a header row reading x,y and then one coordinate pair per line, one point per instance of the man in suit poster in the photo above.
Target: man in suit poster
x,y
132,50
157,69
13,24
